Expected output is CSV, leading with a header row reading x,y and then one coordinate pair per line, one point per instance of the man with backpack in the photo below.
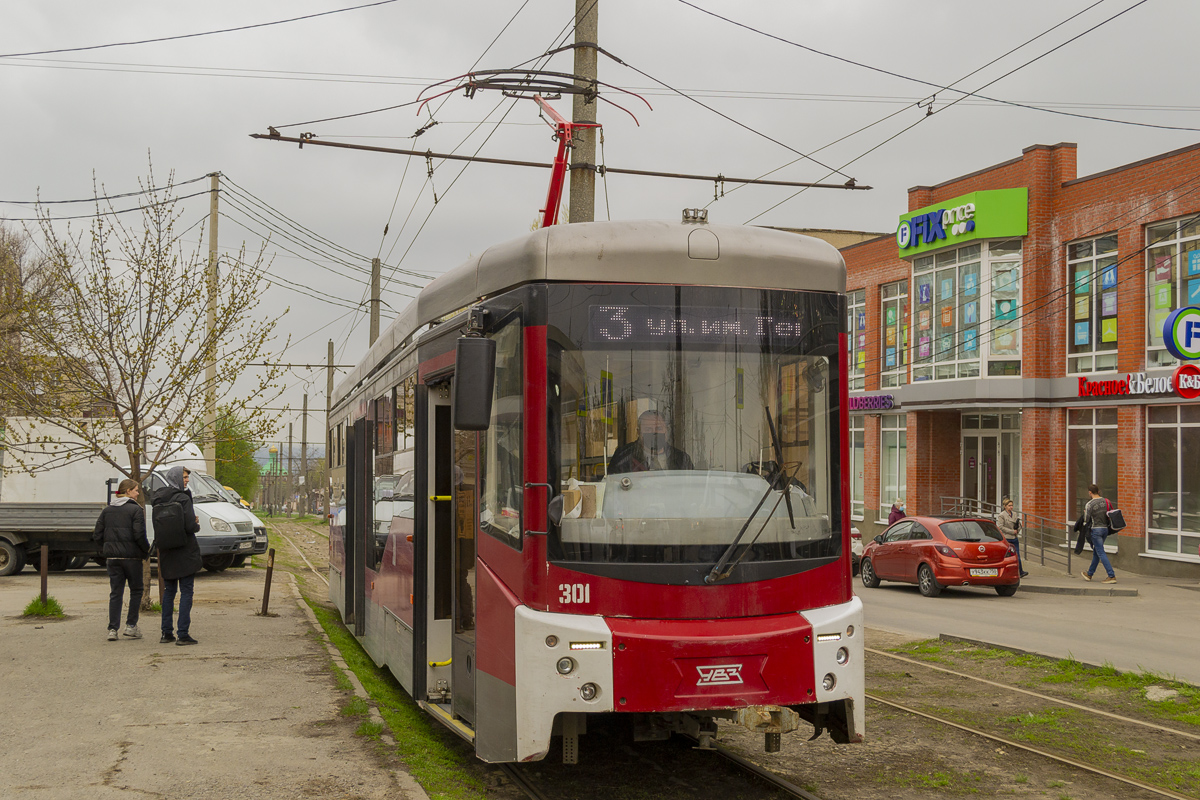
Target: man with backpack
x,y
121,528
175,528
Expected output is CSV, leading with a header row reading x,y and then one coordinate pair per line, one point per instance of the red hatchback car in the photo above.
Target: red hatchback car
x,y
936,552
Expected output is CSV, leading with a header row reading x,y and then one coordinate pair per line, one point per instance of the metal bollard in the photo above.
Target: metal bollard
x,y
45,571
267,588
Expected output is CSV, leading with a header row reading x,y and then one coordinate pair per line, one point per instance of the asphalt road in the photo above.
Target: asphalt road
x,y
1156,631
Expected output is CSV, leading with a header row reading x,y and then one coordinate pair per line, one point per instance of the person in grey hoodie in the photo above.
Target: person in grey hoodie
x,y
121,528
177,566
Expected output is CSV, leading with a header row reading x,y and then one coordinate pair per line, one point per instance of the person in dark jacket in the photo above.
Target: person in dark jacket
x,y
177,566
897,512
1096,511
122,529
650,450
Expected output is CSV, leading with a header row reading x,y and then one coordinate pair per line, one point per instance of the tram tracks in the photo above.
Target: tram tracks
x,y
939,717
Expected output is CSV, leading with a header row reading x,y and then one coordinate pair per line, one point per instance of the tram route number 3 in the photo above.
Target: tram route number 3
x,y
575,593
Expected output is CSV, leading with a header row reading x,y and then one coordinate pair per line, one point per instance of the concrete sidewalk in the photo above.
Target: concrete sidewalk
x,y
250,712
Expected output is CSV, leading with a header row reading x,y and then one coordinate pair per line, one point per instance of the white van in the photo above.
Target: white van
x,y
226,534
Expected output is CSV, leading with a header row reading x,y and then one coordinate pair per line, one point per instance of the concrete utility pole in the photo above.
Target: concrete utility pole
x,y
328,438
374,299
291,480
304,457
582,206
210,369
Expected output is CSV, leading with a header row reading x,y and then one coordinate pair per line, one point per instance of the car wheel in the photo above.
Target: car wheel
x,y
1006,591
11,559
866,572
218,563
239,560
927,583
79,562
59,562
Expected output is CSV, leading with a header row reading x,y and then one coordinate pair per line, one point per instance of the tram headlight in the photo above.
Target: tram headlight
x,y
842,656
589,691
565,666
829,682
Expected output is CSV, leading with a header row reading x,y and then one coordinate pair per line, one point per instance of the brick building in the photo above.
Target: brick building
x,y
1007,341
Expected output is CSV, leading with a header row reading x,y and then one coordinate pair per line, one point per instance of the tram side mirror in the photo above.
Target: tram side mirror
x,y
555,510
474,376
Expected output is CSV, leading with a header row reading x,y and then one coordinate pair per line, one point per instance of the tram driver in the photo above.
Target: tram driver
x,y
651,450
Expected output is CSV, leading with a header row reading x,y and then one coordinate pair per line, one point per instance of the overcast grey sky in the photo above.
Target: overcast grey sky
x,y
191,104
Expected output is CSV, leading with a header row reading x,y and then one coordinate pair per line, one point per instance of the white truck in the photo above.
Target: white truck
x,y
50,495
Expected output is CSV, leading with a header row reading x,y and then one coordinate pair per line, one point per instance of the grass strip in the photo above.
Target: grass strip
x,y
438,760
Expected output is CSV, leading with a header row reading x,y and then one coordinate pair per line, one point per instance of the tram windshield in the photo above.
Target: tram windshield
x,y
663,400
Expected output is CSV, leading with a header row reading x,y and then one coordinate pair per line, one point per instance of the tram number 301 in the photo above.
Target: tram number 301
x,y
575,593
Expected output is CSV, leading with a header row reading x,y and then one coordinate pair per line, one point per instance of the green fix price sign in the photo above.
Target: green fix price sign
x,y
990,214
1181,333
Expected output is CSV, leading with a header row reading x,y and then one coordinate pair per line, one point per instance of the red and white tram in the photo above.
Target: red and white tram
x,y
624,492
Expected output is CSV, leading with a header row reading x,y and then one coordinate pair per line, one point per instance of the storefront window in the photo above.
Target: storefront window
x,y
856,324
1091,456
958,323
1092,320
893,466
857,450
893,371
1174,483
1173,272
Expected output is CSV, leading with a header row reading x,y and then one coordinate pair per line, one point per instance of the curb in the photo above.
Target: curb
x,y
407,783
1079,590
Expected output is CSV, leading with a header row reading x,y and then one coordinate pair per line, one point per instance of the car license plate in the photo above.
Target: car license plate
x,y
248,545
984,573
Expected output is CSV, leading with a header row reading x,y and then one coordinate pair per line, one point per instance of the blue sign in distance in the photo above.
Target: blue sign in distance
x,y
1181,333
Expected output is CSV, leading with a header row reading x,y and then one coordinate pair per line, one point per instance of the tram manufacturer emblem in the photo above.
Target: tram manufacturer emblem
x,y
719,674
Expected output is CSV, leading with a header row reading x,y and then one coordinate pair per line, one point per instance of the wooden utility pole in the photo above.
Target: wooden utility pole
x,y
582,205
328,428
304,457
210,369
374,299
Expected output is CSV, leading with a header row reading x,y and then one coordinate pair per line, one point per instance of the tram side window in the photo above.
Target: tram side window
x,y
502,478
406,394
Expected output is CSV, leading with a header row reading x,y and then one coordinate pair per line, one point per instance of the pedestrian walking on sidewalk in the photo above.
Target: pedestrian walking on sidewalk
x,y
1010,525
121,528
897,512
177,566
1096,511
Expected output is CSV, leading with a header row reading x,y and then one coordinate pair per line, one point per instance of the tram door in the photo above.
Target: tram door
x,y
358,522
453,486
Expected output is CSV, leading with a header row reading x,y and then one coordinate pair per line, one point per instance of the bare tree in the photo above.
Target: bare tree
x,y
115,350
23,284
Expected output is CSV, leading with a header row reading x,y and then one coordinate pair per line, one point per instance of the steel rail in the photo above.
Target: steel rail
x,y
306,561
761,772
1010,743
522,782
1046,697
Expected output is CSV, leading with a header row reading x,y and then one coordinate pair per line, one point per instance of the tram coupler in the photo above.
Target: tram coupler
x,y
771,721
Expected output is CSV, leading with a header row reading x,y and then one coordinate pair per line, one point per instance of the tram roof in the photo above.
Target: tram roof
x,y
625,251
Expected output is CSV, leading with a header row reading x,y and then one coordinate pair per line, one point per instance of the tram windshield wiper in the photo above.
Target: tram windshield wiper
x,y
722,568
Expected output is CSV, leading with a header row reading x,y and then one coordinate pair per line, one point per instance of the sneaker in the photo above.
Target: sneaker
x,y
1110,579
1085,576
112,634
185,640
1024,574
167,638
132,632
